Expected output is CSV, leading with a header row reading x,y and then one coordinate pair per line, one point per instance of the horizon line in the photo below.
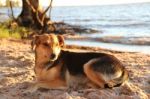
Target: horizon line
x,y
98,4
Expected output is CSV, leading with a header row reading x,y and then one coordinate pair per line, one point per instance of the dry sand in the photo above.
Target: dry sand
x,y
16,75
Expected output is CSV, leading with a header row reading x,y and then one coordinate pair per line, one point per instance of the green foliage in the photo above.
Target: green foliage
x,y
8,31
7,3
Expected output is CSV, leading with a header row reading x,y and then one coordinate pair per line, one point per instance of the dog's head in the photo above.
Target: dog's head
x,y
48,46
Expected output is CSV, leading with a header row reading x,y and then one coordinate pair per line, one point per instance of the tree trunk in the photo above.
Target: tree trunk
x,y
32,14
25,18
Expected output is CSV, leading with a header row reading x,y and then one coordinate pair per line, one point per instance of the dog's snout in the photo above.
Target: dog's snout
x,y
53,56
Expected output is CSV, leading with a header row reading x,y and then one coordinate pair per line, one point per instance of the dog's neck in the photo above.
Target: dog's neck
x,y
49,64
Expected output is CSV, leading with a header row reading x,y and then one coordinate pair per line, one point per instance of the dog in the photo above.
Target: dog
x,y
56,68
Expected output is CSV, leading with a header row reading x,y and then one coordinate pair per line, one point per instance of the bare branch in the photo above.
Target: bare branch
x,y
35,11
41,21
11,8
32,7
40,16
50,9
50,6
44,13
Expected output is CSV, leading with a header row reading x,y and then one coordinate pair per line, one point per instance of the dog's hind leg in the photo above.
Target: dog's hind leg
x,y
118,81
94,76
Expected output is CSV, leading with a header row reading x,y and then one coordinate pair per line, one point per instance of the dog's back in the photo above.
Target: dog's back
x,y
107,65
76,60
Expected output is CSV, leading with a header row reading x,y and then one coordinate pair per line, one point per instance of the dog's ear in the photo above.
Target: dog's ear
x,y
61,40
35,42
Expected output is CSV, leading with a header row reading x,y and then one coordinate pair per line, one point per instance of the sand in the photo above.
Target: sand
x,y
16,75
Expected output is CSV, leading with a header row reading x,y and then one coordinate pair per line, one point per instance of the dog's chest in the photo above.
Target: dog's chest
x,y
50,74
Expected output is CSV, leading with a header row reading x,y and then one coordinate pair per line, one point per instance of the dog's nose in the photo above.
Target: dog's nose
x,y
53,56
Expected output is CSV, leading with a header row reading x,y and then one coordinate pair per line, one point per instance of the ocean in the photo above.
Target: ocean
x,y
122,20
126,20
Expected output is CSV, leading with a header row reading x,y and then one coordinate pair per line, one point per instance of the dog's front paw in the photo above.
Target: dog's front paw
x,y
33,88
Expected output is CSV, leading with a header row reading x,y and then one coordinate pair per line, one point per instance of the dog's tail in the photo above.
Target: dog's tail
x,y
118,81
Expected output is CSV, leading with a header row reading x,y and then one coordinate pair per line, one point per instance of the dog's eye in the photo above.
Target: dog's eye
x,y
46,44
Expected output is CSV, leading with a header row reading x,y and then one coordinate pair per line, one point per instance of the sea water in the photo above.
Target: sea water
x,y
126,20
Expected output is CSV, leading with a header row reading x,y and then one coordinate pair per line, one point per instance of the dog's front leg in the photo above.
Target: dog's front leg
x,y
56,84
51,85
32,88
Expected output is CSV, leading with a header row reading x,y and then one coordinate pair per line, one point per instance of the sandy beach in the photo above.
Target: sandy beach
x,y
16,75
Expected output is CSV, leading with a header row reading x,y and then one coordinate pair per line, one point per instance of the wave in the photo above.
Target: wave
x,y
97,19
125,25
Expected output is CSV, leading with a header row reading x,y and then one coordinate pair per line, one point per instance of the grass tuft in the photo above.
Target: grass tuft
x,y
7,31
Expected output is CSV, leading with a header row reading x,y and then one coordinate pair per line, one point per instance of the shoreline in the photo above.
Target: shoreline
x,y
113,39
112,43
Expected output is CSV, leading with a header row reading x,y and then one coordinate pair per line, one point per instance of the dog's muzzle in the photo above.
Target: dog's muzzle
x,y
53,57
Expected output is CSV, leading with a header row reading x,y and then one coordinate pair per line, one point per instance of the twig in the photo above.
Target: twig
x,y
11,8
44,13
50,6
41,17
33,9
50,9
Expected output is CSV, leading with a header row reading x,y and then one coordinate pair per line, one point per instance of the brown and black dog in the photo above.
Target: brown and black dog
x,y
56,68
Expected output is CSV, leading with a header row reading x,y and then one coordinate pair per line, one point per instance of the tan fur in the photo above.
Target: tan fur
x,y
95,77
